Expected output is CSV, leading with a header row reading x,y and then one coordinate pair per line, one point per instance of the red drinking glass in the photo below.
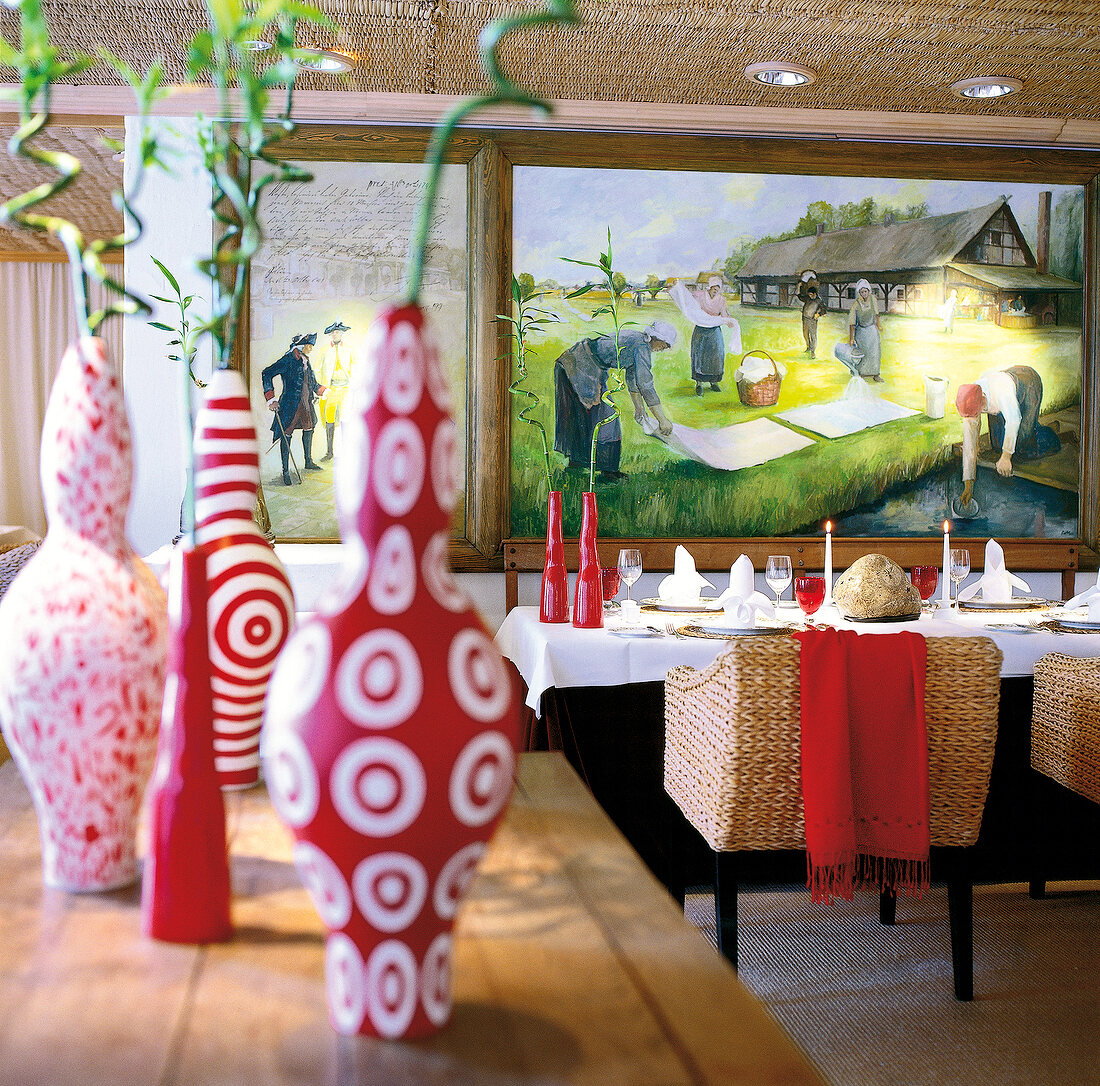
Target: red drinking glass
x,y
611,580
925,579
810,593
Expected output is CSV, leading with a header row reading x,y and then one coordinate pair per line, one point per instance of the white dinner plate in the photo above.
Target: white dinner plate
x,y
1017,603
635,631
1078,623
734,631
683,608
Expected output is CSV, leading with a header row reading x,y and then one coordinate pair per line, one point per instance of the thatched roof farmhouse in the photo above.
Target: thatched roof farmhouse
x,y
980,253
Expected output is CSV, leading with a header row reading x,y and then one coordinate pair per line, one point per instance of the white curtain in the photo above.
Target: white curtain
x,y
37,322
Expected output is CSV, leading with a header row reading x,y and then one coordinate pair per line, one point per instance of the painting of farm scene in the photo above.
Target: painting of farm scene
x,y
783,350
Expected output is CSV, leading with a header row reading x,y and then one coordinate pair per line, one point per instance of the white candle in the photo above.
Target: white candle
x,y
945,576
828,561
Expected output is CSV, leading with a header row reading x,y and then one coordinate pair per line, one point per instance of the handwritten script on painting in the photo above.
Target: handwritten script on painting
x,y
347,233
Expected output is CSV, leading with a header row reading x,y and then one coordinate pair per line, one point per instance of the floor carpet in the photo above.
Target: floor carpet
x,y
873,1005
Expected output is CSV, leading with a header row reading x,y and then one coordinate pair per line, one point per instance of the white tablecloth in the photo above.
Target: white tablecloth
x,y
558,655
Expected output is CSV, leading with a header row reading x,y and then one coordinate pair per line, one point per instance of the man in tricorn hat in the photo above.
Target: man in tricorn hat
x,y
335,373
1010,400
294,408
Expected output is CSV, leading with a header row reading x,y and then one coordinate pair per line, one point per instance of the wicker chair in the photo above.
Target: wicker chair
x,y
732,764
1065,730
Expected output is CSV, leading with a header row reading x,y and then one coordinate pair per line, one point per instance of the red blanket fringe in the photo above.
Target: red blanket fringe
x,y
862,872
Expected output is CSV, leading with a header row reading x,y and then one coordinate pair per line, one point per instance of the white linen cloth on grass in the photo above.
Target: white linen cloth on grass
x,y
996,583
858,409
729,448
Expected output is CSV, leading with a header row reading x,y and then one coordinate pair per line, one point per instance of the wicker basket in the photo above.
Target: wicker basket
x,y
762,393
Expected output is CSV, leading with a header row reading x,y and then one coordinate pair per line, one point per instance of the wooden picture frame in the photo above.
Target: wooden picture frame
x,y
476,543
486,541
828,157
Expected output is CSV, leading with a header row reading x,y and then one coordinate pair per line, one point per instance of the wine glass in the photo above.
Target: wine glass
x,y
960,570
810,593
925,579
630,567
778,574
610,577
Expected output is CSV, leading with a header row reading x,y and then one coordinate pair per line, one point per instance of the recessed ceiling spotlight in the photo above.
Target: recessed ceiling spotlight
x,y
328,61
986,86
781,74
255,45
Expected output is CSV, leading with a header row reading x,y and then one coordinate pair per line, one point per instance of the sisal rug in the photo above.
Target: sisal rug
x,y
873,1005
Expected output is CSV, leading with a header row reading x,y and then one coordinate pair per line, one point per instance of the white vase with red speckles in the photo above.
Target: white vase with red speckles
x,y
83,629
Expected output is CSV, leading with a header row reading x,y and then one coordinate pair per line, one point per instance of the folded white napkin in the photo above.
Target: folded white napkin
x,y
684,584
1089,598
996,583
741,602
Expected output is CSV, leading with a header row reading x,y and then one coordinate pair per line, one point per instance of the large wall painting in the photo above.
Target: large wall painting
x,y
883,353
334,252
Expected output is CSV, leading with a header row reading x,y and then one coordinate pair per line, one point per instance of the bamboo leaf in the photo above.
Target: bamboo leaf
x,y
580,290
159,326
167,274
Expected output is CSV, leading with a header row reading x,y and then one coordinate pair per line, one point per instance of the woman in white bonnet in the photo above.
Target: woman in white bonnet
x,y
708,345
580,379
862,354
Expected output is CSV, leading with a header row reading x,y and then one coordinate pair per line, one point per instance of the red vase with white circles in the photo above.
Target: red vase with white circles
x,y
84,635
390,726
250,605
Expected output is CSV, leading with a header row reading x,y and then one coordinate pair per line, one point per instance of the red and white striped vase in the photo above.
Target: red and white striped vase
x,y
250,604
390,725
84,635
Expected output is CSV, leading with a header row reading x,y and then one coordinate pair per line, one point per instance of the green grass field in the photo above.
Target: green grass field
x,y
665,495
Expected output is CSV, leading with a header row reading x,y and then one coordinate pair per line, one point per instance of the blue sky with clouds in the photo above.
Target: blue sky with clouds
x,y
678,223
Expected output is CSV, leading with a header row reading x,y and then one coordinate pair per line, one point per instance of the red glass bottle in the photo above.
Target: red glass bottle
x,y
185,881
588,595
554,601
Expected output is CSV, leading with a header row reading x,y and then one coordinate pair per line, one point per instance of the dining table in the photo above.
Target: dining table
x,y
598,696
571,966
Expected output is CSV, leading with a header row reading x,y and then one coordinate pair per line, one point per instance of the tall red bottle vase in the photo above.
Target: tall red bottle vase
x,y
83,629
251,605
554,600
185,880
588,594
390,727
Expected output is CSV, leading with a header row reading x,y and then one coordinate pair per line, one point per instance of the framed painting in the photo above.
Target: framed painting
x,y
885,352
334,252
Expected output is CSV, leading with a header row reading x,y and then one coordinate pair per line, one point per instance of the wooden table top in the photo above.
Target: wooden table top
x,y
572,965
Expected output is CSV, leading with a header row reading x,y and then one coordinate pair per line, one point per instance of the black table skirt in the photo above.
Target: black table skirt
x,y
614,738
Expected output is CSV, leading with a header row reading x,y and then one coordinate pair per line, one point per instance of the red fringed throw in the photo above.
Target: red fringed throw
x,y
864,762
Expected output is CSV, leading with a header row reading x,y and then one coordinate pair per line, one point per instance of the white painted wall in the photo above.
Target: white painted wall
x,y
178,229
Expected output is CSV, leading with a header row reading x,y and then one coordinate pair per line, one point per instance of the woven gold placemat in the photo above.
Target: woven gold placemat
x,y
1054,626
698,631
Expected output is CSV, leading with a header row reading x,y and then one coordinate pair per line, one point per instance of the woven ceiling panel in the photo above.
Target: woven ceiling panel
x,y
87,201
870,54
